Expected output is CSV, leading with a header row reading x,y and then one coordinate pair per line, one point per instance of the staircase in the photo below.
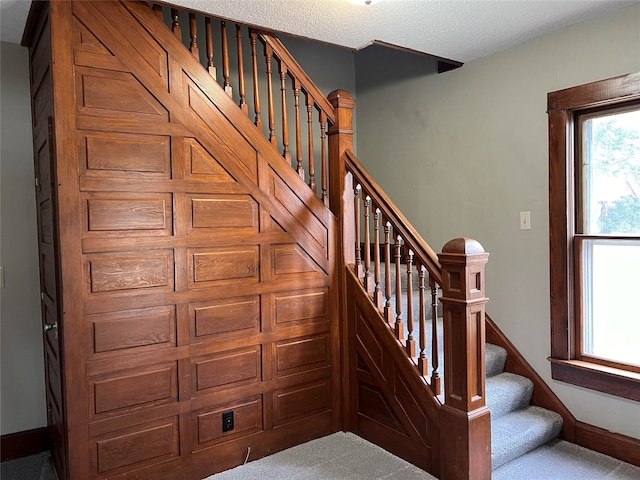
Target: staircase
x,y
516,426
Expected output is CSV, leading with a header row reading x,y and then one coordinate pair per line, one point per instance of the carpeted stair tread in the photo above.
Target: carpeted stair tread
x,y
519,432
495,358
507,392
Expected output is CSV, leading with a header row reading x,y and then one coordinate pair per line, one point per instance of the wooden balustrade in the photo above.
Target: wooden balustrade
x,y
283,118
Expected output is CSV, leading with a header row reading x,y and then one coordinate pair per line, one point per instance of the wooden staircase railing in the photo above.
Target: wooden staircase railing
x,y
372,226
366,216
298,115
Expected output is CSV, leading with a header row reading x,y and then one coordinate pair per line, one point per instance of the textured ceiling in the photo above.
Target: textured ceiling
x,y
459,30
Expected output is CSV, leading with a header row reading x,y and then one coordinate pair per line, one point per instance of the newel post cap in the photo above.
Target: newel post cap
x,y
463,246
341,99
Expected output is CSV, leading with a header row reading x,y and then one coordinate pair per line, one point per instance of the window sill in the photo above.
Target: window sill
x,y
613,381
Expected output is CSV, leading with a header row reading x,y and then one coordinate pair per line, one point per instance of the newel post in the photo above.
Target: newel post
x,y
340,189
465,428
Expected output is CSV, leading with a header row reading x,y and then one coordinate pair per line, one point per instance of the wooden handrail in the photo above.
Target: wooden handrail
x,y
421,250
296,72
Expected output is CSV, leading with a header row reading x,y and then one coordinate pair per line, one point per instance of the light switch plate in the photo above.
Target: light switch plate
x,y
525,220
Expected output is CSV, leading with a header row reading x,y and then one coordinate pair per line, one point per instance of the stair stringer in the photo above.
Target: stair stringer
x,y
408,425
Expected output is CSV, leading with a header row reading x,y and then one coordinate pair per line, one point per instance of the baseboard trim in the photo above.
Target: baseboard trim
x,y
610,443
23,444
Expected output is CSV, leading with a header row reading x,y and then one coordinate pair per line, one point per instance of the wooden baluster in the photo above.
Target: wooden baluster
x,y
356,215
423,362
157,8
367,246
435,361
175,26
312,166
411,342
377,293
323,155
296,104
388,310
256,82
225,59
399,327
193,34
209,36
285,118
272,117
241,86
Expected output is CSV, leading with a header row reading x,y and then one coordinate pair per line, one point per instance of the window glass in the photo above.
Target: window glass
x,y
610,187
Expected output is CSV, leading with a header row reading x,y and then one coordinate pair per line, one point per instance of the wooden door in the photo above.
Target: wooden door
x,y
48,243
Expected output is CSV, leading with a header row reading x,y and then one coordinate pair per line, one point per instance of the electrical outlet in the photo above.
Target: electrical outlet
x,y
525,220
227,421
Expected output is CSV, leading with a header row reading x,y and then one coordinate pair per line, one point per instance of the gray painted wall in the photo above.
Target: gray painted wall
x,y
462,153
22,398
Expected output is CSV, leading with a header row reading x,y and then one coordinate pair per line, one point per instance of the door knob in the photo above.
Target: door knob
x,y
50,326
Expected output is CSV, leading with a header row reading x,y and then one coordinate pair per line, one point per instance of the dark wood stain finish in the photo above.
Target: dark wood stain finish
x,y
174,295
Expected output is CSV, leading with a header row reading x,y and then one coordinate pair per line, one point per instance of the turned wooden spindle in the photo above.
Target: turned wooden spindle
x,y
241,85
411,342
423,362
272,115
193,35
312,167
175,25
323,155
256,80
285,118
208,31
367,245
388,309
399,326
296,106
435,361
225,59
377,292
356,218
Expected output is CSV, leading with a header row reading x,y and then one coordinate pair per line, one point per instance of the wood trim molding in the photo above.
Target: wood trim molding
x,y
610,443
23,444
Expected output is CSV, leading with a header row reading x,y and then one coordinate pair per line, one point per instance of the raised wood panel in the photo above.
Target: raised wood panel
x,y
227,315
373,405
302,307
224,212
224,265
300,354
46,222
368,345
247,421
133,330
129,214
292,403
90,52
291,259
108,93
235,367
119,154
137,446
242,152
290,202
43,169
201,165
48,271
134,389
130,271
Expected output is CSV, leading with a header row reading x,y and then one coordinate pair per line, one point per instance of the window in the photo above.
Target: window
x,y
594,225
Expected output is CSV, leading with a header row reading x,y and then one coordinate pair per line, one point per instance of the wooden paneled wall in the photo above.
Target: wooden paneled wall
x,y
205,275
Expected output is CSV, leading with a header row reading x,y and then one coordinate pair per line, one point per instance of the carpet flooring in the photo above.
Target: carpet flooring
x,y
345,456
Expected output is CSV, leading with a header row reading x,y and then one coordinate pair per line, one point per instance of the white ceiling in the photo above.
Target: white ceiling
x,y
459,30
